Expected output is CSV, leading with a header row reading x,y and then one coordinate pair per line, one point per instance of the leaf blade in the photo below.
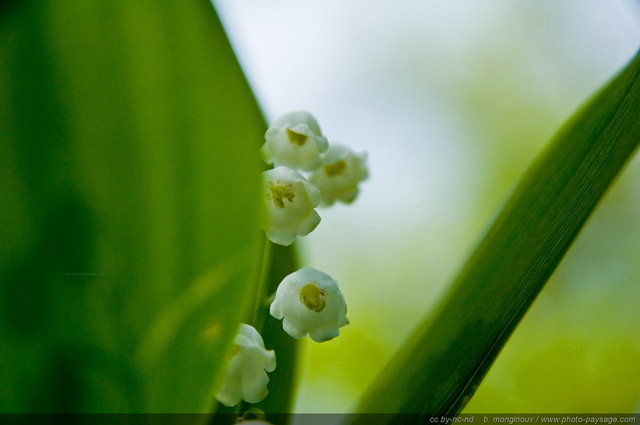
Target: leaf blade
x,y
131,137
450,352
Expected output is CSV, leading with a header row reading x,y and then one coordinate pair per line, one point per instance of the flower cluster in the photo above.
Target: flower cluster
x,y
293,144
308,301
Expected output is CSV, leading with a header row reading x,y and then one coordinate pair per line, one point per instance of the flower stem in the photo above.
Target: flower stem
x,y
257,315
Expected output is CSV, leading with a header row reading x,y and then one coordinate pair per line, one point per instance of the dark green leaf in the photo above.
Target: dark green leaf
x,y
129,177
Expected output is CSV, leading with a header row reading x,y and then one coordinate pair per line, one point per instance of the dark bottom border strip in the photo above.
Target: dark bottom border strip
x,y
316,419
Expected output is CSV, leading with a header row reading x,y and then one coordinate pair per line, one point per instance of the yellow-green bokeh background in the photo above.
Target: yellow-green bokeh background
x,y
452,100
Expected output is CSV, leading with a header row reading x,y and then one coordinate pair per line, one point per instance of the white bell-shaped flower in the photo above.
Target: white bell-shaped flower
x,y
295,141
290,201
339,176
246,377
309,302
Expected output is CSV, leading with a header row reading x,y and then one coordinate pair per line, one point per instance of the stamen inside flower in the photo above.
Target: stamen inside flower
x,y
310,296
280,193
335,169
236,349
297,138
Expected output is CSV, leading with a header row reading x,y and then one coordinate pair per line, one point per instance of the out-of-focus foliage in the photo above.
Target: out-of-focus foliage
x,y
129,177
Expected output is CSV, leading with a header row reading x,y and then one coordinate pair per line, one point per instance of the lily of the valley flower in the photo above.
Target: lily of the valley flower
x,y
294,140
246,377
310,302
340,174
291,200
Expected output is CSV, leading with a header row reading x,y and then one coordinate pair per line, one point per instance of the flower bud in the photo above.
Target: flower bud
x,y
295,141
310,302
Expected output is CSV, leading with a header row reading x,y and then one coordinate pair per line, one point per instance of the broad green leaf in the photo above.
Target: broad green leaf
x,y
445,359
129,177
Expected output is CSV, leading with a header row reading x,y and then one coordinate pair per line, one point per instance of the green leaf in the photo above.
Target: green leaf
x,y
444,361
129,177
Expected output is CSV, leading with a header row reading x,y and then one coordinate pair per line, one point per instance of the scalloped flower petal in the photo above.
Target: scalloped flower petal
x,y
294,140
309,302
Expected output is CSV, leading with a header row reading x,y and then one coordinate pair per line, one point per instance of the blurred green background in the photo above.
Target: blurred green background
x,y
453,100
